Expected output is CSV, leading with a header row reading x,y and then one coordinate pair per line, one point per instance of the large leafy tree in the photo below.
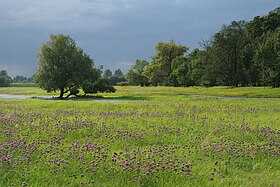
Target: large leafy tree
x,y
135,73
228,46
161,67
263,24
62,66
260,30
154,73
267,58
179,74
166,52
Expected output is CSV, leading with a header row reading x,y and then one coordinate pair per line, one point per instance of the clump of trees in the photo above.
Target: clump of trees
x,y
135,74
116,78
240,54
5,80
22,79
64,67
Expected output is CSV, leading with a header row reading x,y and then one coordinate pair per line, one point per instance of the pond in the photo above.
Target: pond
x,y
10,96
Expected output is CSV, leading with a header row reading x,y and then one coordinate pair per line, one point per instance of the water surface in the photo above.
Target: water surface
x,y
10,96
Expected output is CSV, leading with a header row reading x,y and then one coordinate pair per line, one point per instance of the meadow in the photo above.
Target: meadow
x,y
158,136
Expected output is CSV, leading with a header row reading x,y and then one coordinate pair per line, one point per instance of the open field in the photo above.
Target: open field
x,y
162,137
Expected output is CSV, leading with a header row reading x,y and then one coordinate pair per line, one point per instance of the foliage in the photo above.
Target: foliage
x,y
180,70
245,53
22,79
267,57
89,86
240,54
228,45
95,83
159,70
5,80
107,74
62,65
153,73
135,74
65,67
117,77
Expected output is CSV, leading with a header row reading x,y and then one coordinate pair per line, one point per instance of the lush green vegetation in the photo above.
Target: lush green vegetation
x,y
240,54
22,79
5,80
164,139
116,78
64,67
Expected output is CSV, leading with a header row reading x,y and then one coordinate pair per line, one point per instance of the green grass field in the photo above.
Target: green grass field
x,y
161,137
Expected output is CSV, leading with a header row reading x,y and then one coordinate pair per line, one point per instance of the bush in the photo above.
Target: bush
x,y
5,81
102,85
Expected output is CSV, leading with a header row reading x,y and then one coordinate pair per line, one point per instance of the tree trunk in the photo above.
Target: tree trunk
x,y
61,93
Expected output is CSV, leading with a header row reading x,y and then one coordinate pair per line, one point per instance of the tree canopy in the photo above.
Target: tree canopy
x,y
117,77
160,69
239,54
64,67
135,75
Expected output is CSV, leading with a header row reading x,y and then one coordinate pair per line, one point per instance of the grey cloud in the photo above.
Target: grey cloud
x,y
61,14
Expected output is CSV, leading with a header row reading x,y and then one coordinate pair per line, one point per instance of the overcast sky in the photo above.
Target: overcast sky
x,y
113,32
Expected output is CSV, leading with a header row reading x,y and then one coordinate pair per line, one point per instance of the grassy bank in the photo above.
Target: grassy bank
x,y
23,85
165,139
128,91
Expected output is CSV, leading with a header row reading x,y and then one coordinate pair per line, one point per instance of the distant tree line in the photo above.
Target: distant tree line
x,y
22,79
117,78
6,80
240,54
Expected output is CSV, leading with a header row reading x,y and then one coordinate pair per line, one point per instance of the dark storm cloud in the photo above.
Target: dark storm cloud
x,y
113,32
